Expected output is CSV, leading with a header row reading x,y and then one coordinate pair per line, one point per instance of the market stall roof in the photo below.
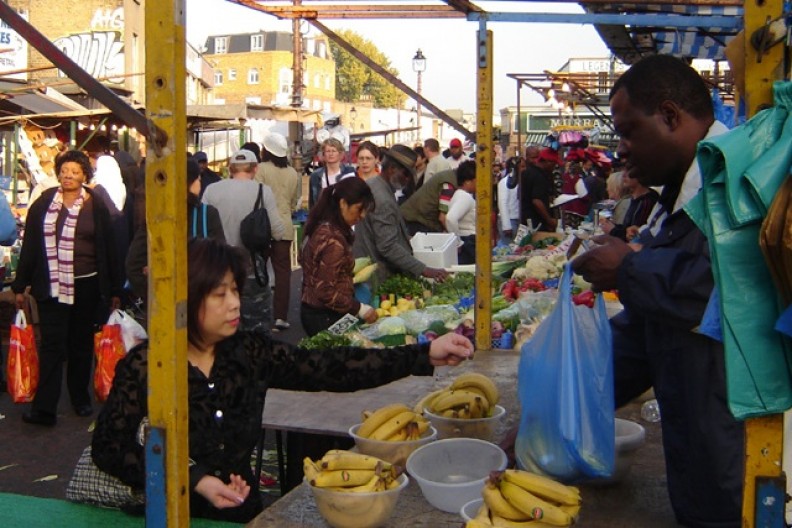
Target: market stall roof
x,y
35,99
243,111
630,43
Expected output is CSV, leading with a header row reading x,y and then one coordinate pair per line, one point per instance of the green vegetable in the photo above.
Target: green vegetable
x,y
505,268
401,286
324,340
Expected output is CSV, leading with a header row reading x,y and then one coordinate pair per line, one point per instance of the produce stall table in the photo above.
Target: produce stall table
x,y
640,499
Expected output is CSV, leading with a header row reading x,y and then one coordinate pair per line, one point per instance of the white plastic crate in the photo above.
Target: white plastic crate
x,y
437,250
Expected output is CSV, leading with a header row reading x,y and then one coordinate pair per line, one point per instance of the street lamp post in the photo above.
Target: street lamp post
x,y
419,66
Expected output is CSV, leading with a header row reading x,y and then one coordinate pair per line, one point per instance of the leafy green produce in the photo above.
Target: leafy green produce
x,y
401,286
324,340
545,242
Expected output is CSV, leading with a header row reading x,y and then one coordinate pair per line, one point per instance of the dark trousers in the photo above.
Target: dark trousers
x,y
281,265
467,253
314,320
67,335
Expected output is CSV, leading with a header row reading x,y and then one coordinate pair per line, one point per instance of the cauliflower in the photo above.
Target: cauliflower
x,y
540,267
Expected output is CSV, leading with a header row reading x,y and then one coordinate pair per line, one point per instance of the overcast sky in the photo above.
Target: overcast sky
x,y
449,81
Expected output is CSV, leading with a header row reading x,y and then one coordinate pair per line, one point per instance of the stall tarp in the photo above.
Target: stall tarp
x,y
741,172
235,112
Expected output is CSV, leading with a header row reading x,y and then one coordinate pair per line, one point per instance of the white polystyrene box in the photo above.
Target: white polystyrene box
x,y
437,250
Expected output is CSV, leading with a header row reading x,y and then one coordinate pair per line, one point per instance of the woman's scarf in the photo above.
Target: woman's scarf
x,y
60,257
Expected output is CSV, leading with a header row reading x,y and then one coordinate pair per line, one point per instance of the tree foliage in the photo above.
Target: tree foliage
x,y
355,80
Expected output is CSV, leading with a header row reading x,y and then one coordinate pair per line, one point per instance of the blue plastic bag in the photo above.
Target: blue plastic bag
x,y
8,224
565,386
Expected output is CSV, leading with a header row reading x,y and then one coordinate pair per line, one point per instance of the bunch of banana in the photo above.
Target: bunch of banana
x,y
471,395
393,423
518,498
350,471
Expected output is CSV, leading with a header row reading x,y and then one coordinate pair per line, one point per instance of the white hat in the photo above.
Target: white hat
x,y
276,145
242,156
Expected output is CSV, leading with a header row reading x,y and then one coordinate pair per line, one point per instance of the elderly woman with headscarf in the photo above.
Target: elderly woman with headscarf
x,y
68,260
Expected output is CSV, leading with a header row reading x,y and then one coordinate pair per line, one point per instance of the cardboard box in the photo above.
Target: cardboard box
x,y
436,250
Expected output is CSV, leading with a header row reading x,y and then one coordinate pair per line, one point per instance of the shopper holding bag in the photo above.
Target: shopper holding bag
x,y
68,260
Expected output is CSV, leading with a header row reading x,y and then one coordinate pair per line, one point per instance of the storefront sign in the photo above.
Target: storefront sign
x,y
13,52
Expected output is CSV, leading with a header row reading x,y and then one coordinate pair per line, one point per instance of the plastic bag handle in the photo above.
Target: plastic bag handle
x,y
21,319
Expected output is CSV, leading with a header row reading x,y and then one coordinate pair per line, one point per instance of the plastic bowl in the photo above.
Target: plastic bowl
x,y
481,428
470,509
344,509
452,472
393,452
629,437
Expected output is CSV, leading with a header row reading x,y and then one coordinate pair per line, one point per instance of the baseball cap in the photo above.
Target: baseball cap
x,y
276,144
404,156
200,157
455,143
548,154
242,156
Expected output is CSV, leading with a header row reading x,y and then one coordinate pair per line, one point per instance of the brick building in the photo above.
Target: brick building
x,y
257,68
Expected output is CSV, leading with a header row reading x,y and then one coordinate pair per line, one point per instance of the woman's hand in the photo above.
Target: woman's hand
x,y
115,304
370,316
19,298
438,274
222,495
450,349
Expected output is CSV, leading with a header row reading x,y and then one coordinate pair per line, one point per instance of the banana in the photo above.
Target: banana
x,y
474,523
574,511
501,522
498,505
483,513
342,477
393,425
479,407
478,381
426,401
543,487
399,436
310,470
536,508
350,460
454,399
376,483
379,417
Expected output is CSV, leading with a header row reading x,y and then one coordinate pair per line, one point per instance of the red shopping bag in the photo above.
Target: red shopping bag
x,y
109,348
23,363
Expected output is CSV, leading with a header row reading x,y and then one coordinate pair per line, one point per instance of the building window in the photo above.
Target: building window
x,y
285,80
321,49
256,42
317,80
327,82
253,76
232,74
221,45
218,77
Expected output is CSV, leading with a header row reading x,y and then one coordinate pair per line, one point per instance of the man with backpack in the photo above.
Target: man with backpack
x,y
235,199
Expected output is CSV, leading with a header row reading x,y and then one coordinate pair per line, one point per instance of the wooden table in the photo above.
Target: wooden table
x,y
333,414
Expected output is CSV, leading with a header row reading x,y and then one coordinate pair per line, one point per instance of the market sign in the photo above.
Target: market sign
x,y
13,52
549,122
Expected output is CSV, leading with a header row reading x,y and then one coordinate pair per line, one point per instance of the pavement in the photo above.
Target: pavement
x,y
39,461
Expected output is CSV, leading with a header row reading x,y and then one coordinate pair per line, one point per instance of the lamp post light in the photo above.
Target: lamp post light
x,y
352,117
419,66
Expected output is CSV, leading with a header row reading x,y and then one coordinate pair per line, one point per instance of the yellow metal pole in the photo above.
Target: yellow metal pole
x,y
483,310
166,216
764,437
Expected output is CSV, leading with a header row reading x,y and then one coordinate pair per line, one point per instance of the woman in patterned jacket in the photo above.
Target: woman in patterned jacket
x,y
326,257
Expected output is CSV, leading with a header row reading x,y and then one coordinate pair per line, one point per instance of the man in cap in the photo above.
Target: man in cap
x,y
536,190
456,154
382,235
234,198
208,176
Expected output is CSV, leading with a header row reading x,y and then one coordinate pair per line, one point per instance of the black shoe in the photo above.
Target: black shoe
x,y
83,410
39,418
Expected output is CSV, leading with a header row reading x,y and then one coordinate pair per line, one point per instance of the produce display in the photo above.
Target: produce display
x,y
520,498
393,423
350,472
470,396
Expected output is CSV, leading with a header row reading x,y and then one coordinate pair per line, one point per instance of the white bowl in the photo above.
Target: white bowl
x,y
481,428
452,472
393,452
470,509
342,509
629,437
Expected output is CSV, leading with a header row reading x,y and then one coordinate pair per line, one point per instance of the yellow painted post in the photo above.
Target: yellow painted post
x,y
764,437
483,310
166,216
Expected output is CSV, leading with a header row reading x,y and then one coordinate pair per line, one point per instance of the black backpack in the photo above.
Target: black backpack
x,y
255,233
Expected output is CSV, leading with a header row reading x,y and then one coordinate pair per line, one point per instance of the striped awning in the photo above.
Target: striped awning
x,y
699,42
